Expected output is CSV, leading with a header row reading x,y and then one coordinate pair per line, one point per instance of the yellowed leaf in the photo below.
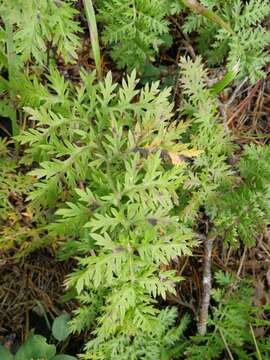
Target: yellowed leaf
x,y
191,152
181,158
175,158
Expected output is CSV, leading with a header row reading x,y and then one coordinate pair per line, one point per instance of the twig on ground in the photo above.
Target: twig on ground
x,y
245,102
186,40
236,92
241,262
223,107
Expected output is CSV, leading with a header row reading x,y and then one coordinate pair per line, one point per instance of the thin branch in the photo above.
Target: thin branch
x,y
207,284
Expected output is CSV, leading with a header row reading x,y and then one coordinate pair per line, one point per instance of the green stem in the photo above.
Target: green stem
x,y
258,353
199,9
10,52
11,74
92,25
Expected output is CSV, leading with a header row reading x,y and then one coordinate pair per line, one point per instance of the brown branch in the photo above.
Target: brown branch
x,y
207,284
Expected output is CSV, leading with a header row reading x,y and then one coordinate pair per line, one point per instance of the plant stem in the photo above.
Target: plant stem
x,y
259,356
11,74
198,8
226,344
92,25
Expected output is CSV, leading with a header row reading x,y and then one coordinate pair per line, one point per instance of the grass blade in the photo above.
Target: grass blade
x,y
92,25
226,80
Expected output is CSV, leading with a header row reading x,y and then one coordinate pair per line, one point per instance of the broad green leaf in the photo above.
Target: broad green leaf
x,y
5,354
35,348
60,328
63,357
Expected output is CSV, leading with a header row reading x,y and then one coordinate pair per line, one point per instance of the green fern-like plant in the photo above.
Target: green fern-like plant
x,y
235,198
21,228
119,166
233,318
38,25
32,34
120,185
134,29
162,343
118,181
246,42
243,211
210,171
